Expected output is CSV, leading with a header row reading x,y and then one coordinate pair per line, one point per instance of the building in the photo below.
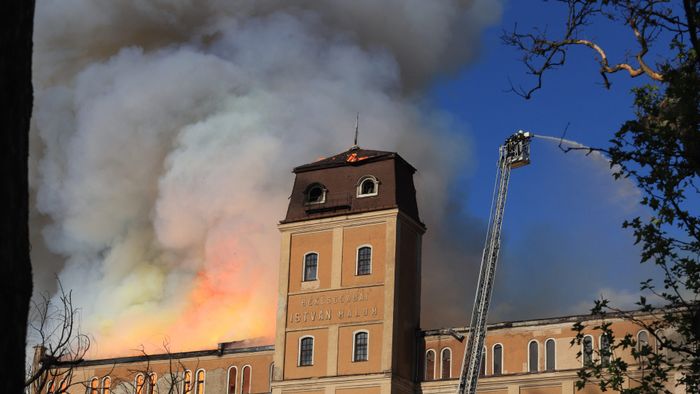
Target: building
x,y
349,309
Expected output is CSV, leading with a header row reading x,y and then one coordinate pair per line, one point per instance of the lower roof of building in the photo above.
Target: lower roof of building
x,y
239,347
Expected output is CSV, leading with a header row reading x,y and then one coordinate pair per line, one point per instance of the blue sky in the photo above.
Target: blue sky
x,y
564,211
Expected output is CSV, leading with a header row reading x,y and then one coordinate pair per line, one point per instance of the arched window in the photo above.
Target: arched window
x,y
642,340
360,345
533,356
642,346
65,382
201,376
107,385
310,266
272,372
152,381
316,194
94,386
187,382
139,382
497,359
364,260
367,186
306,351
550,355
446,363
232,379
482,367
245,380
430,365
605,351
587,350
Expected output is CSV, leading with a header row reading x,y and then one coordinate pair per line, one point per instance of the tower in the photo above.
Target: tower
x,y
349,277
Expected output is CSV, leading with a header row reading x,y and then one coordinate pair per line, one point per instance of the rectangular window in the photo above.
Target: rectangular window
x,y
364,260
306,352
361,340
310,266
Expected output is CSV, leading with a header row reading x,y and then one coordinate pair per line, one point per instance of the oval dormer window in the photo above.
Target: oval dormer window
x,y
368,186
316,194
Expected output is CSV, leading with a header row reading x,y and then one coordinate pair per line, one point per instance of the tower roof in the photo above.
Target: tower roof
x,y
336,185
351,157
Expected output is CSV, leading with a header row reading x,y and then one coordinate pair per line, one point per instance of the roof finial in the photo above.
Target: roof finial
x,y
357,128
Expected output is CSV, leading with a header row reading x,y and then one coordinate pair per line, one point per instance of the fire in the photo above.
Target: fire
x,y
353,158
227,301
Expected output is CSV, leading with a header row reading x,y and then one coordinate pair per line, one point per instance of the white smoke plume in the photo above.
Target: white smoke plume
x,y
164,132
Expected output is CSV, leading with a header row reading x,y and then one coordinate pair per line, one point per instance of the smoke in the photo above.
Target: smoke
x,y
164,132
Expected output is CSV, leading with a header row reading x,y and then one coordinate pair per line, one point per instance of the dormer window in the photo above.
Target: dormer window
x,y
316,194
368,186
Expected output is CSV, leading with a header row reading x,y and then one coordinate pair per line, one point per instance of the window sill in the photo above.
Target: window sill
x,y
310,284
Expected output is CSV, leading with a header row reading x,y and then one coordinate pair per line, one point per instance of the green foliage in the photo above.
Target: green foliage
x,y
660,151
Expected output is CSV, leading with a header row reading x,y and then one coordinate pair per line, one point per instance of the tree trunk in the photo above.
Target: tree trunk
x,y
16,96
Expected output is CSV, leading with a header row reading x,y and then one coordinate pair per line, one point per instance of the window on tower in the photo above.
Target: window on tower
x,y
310,266
367,186
306,351
316,194
364,260
360,343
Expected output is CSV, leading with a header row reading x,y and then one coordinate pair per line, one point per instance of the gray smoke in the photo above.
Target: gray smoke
x,y
164,132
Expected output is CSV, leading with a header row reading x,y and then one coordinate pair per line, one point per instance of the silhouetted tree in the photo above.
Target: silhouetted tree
x,y
59,345
660,150
16,26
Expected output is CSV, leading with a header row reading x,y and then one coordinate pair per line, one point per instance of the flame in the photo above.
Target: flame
x,y
353,158
224,303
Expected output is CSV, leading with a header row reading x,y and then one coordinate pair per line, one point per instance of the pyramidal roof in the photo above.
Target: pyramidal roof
x,y
351,157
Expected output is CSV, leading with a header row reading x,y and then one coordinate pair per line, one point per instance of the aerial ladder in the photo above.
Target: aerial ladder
x,y
514,153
